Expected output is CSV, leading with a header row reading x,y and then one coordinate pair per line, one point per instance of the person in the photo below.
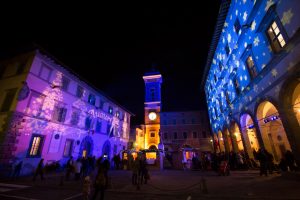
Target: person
x,y
39,170
262,158
100,183
135,170
290,160
77,169
86,190
17,170
69,167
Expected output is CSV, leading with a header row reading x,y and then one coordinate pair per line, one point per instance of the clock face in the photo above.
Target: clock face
x,y
152,115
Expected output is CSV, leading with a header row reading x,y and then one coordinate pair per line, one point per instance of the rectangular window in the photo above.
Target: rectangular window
x,y
175,135
220,66
165,136
152,94
237,26
110,110
227,49
152,134
184,135
20,67
68,148
75,117
204,134
35,104
35,147
237,86
59,113
275,36
45,72
92,99
98,126
227,97
65,83
88,121
251,67
101,104
117,114
8,100
194,134
79,91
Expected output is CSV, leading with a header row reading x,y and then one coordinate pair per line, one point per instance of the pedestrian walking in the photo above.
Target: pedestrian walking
x,y
17,170
39,170
86,190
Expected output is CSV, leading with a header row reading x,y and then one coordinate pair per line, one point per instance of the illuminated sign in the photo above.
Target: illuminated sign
x,y
101,115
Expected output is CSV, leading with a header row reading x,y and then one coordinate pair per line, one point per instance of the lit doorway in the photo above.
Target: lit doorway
x,y
249,134
272,131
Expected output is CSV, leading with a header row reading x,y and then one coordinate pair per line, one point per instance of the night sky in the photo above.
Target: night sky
x,y
113,47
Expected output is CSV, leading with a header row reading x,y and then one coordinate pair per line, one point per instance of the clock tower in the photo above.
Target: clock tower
x,y
152,108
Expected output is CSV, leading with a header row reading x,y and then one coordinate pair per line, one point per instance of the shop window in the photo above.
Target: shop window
x,y
35,148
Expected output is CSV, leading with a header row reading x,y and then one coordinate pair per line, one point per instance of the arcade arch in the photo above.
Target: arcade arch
x,y
272,131
249,134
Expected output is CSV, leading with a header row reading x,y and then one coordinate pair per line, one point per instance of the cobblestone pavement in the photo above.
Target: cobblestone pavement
x,y
164,185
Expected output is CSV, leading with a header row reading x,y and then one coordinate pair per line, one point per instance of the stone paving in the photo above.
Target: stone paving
x,y
164,185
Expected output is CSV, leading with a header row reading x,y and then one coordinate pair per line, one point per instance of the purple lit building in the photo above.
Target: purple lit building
x,y
46,111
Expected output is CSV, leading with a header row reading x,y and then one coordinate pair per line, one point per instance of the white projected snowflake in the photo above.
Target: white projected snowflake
x,y
287,16
256,41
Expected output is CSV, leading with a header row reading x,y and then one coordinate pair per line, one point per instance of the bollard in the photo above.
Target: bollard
x,y
204,186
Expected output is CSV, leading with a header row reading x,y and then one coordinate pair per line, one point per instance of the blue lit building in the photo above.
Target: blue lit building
x,y
252,77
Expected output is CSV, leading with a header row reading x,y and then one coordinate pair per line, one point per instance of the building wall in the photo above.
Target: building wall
x,y
193,123
242,103
49,106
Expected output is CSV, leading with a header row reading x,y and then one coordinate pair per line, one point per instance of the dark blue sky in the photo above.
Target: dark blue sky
x,y
113,47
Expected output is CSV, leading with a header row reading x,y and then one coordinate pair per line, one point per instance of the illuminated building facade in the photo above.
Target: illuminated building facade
x,y
251,78
183,133
49,112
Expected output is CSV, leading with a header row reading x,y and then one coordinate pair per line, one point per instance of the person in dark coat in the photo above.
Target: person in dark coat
x,y
39,170
290,160
17,170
